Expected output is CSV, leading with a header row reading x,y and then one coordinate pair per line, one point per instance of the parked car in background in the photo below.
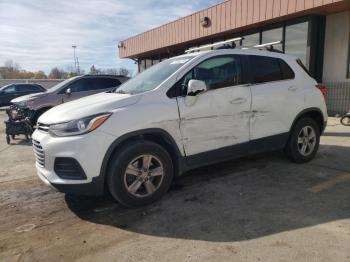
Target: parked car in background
x,y
68,90
185,112
11,91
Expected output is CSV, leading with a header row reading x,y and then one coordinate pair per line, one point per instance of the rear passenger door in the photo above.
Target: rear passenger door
x,y
276,96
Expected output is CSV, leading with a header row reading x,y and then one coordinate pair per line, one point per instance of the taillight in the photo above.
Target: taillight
x,y
323,90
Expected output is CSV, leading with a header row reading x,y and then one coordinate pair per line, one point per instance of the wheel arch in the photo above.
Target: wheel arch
x,y
40,111
156,135
314,113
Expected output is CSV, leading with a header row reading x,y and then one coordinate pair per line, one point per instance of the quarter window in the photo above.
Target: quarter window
x,y
268,69
287,72
218,72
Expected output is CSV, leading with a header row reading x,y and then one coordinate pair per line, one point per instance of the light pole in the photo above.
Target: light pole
x,y
75,61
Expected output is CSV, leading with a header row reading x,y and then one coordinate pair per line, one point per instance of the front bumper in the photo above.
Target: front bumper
x,y
88,150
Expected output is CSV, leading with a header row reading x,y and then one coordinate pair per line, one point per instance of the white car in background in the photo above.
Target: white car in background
x,y
185,112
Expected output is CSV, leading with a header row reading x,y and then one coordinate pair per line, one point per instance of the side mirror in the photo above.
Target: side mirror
x,y
196,87
68,91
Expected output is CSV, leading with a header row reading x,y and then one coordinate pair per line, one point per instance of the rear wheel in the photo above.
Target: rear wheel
x,y
304,140
140,173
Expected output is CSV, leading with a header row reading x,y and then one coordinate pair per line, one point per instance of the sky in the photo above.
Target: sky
x,y
39,34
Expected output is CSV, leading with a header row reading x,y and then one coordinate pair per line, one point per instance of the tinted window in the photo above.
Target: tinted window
x,y
217,72
287,72
81,85
265,69
28,88
105,83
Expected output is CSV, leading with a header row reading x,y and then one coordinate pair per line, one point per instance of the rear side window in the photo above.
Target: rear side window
x,y
105,83
28,88
287,72
269,69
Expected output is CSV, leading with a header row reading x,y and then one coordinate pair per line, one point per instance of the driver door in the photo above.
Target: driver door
x,y
79,88
218,118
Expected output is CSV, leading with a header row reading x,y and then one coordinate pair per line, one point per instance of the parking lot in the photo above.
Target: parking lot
x,y
262,208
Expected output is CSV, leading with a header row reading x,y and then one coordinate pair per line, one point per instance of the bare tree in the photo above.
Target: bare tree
x,y
124,72
11,65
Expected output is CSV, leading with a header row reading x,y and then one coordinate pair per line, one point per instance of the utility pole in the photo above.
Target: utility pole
x,y
78,66
75,61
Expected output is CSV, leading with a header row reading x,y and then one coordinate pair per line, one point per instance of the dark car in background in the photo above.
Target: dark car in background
x,y
11,91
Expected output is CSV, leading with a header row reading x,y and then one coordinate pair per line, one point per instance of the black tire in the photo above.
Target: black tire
x,y
119,163
345,120
37,114
293,150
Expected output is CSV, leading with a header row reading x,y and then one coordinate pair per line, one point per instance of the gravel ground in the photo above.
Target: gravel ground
x,y
262,208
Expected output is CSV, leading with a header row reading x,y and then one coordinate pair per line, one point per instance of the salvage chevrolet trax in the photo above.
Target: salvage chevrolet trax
x,y
185,112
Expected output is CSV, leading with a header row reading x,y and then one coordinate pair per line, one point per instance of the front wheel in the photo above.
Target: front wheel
x,y
140,173
304,140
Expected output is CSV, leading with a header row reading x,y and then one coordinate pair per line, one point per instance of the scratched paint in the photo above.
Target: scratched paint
x,y
217,118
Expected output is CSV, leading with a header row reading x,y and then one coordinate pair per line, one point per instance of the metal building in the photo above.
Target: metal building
x,y
316,31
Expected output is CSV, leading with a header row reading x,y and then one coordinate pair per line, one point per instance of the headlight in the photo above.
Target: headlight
x,y
79,126
26,103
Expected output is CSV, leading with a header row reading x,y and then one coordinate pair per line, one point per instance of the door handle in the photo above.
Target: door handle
x,y
239,100
292,88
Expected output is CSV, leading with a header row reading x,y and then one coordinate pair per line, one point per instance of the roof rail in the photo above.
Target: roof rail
x,y
267,46
190,50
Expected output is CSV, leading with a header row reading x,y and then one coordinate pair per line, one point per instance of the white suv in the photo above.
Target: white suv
x,y
185,112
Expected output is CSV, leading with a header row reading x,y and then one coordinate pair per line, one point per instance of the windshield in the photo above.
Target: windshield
x,y
3,87
153,77
59,85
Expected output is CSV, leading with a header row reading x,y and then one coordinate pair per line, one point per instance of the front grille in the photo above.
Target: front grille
x,y
43,127
39,153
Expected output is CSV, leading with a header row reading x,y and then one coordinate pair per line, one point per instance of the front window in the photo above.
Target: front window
x,y
273,35
60,85
251,40
153,77
216,72
297,42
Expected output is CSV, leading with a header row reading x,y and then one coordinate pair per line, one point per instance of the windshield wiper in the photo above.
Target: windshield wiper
x,y
120,92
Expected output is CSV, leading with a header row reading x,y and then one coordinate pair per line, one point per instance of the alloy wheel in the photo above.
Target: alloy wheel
x,y
143,175
306,140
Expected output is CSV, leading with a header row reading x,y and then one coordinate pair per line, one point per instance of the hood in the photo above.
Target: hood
x,y
87,106
28,97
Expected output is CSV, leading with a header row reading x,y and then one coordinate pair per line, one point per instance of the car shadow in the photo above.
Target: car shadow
x,y
233,201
